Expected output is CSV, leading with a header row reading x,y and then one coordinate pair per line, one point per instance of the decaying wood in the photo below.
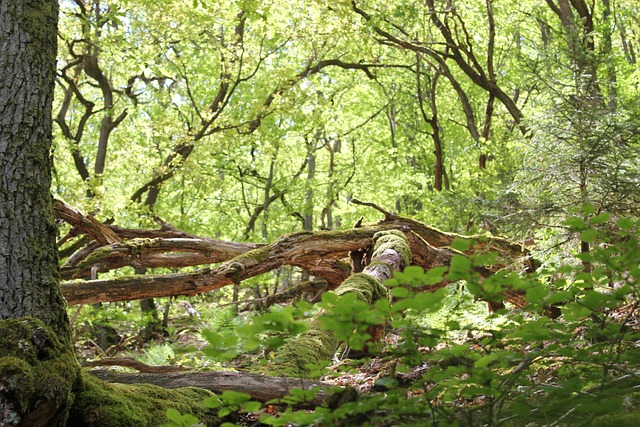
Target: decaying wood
x,y
99,232
321,253
152,252
135,364
260,387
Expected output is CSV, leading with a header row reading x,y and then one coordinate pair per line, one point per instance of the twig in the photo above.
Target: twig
x,y
387,214
75,315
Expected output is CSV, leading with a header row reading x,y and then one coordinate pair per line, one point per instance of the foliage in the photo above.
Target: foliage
x,y
489,369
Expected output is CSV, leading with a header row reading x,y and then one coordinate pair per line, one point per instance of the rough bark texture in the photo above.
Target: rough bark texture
x,y
321,253
40,379
259,387
28,258
37,366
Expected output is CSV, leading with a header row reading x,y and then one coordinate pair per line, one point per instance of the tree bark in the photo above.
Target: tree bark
x,y
40,379
37,367
28,261
259,387
321,253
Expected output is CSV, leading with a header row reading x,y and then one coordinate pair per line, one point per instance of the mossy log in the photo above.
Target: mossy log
x,y
260,387
166,252
321,253
172,248
98,403
38,373
391,253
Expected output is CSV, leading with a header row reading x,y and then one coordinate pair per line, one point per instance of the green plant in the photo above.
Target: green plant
x,y
503,370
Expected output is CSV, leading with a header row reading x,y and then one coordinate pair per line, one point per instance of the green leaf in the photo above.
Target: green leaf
x,y
231,397
452,325
625,223
212,402
434,275
600,218
459,268
560,297
414,271
387,382
485,361
536,294
251,406
461,245
174,415
190,420
575,223
574,311
589,235
399,292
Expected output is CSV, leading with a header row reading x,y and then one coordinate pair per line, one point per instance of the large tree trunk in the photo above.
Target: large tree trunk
x,y
28,261
40,378
37,367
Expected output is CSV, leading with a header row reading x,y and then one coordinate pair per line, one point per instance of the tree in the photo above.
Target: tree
x,y
225,108
28,266
40,378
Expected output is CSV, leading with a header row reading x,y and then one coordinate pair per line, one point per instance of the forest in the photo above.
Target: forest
x,y
319,213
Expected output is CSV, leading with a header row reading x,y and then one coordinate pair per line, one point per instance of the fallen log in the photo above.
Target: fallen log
x,y
321,253
130,362
260,387
316,345
115,247
166,252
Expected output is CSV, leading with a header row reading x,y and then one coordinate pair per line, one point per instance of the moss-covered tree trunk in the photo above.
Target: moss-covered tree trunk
x,y
37,368
391,253
28,253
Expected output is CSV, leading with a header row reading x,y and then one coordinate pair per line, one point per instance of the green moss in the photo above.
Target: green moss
x,y
317,345
17,375
42,384
313,347
391,239
366,287
137,245
38,373
96,256
343,266
234,269
36,16
118,405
